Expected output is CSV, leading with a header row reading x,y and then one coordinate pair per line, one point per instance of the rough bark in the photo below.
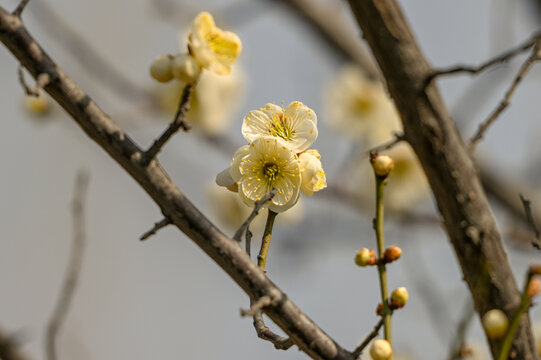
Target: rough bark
x,y
429,129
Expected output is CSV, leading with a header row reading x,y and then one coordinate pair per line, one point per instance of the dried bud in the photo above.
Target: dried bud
x,y
392,253
185,68
382,165
365,257
381,350
495,323
160,69
535,269
379,310
399,298
534,287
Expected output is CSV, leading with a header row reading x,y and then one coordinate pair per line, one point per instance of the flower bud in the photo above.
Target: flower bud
x,y
37,104
495,323
379,309
381,350
160,69
399,297
392,253
382,164
185,68
365,257
534,287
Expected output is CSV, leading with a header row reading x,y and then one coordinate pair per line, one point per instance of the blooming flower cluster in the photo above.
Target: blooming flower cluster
x,y
209,47
277,157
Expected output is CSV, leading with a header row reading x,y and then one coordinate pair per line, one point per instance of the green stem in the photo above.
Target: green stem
x,y
525,303
380,186
265,242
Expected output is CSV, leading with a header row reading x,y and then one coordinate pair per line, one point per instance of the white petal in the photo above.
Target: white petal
x,y
259,123
289,205
297,111
236,162
224,178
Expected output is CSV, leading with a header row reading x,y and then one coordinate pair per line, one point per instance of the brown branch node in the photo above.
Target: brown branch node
x,y
257,306
157,226
20,8
264,333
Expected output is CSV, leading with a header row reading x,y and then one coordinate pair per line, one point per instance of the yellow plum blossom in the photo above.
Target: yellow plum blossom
x,y
213,48
264,165
296,125
358,106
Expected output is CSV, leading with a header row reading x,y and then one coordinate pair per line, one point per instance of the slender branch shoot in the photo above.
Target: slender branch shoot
x,y
506,101
178,122
359,349
257,206
529,217
74,269
525,303
157,226
504,57
388,145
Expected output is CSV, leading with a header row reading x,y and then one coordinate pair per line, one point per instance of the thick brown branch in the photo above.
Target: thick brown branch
x,y
506,101
226,252
453,178
9,348
74,268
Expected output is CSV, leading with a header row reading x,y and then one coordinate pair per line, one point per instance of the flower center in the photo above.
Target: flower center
x,y
271,172
280,129
364,102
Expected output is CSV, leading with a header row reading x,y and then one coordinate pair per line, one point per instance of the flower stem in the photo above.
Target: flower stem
x,y
265,242
525,303
378,225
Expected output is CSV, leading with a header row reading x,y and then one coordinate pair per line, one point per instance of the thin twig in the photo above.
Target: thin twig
x,y
529,217
256,306
257,206
504,103
157,226
461,331
28,90
72,273
506,56
388,145
20,8
264,333
178,122
359,349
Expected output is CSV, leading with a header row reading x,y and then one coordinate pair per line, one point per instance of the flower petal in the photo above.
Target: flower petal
x,y
236,162
224,178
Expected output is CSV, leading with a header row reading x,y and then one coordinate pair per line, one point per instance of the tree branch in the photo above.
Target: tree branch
x,y
453,178
74,268
157,226
257,206
9,348
359,349
504,103
226,252
529,217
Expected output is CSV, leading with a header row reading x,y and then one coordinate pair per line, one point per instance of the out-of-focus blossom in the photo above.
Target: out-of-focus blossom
x,y
358,107
213,48
37,105
214,100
